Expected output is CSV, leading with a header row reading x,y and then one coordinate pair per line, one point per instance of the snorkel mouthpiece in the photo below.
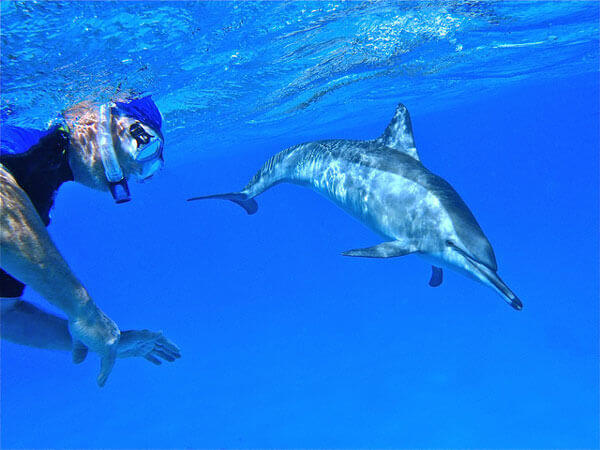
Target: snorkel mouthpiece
x,y
145,147
117,184
120,191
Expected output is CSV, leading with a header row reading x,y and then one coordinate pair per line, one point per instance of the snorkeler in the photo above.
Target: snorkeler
x,y
102,148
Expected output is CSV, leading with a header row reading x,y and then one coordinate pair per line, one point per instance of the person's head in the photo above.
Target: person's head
x,y
115,143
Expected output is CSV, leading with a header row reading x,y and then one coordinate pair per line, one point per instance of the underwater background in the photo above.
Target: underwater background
x,y
284,342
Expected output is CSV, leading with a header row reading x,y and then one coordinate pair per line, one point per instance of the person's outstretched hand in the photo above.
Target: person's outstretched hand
x,y
94,330
151,345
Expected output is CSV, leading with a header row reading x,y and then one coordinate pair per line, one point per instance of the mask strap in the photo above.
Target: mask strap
x,y
117,184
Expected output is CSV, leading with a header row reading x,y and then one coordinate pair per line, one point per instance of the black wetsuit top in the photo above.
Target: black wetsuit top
x,y
39,171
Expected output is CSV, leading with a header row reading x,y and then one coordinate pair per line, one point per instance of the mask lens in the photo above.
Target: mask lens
x,y
139,134
149,151
148,146
149,169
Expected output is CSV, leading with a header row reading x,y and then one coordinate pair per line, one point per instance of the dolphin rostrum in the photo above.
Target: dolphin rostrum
x,y
383,184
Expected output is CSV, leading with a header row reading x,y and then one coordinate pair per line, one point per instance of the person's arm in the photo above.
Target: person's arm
x,y
28,253
26,324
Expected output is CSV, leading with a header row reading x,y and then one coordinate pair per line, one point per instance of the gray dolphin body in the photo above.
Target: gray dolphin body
x,y
383,184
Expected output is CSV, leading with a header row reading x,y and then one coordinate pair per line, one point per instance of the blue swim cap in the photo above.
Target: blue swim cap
x,y
142,109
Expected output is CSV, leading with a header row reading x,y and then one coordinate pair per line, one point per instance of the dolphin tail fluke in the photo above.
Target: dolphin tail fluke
x,y
246,202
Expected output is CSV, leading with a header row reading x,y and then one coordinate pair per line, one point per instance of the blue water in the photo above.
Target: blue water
x,y
286,343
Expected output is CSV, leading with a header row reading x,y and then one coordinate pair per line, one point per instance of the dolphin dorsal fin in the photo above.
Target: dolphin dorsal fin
x,y
398,134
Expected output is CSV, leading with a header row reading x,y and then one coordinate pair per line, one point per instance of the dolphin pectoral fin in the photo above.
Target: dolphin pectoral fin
x,y
389,249
437,276
246,202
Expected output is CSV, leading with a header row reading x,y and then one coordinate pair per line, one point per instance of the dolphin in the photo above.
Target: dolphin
x,y
383,184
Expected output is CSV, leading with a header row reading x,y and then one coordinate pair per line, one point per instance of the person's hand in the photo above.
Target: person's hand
x,y
94,330
148,344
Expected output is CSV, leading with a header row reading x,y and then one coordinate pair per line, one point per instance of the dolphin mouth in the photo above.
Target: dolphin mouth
x,y
470,257
492,277
500,286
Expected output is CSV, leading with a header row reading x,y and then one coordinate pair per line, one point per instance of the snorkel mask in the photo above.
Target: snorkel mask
x,y
144,145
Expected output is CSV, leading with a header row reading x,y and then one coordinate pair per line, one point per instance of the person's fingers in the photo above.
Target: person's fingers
x,y
169,345
163,355
106,365
173,353
80,351
153,360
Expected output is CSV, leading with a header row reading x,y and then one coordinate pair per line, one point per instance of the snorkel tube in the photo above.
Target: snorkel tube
x,y
117,184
